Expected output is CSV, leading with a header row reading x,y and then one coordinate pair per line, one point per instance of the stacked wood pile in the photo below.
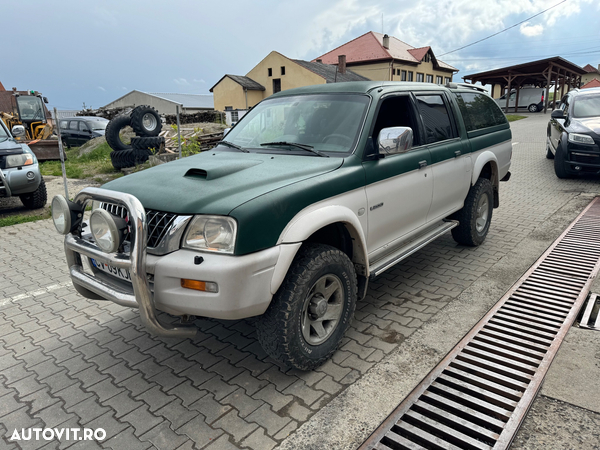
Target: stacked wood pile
x,y
205,141
170,119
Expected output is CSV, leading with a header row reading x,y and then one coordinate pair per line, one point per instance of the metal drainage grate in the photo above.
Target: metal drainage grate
x,y
591,314
477,397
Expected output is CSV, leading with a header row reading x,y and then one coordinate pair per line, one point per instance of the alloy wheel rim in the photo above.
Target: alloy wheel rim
x,y
322,309
482,214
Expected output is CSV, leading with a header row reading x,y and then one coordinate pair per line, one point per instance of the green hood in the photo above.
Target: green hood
x,y
218,182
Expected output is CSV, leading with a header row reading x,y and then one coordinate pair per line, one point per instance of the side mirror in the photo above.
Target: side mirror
x,y
394,140
45,99
557,114
225,131
18,131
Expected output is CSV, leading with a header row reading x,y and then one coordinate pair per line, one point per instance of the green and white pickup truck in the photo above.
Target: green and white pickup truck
x,y
314,192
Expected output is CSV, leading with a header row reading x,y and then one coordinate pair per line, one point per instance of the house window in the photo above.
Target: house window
x,y
427,58
410,76
438,79
430,78
234,116
404,75
276,85
229,108
282,70
420,77
270,71
448,80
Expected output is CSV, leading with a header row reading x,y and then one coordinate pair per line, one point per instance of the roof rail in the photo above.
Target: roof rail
x,y
465,85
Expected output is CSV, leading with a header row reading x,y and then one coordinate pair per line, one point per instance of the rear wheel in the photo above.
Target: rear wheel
x,y
36,199
476,216
312,309
533,108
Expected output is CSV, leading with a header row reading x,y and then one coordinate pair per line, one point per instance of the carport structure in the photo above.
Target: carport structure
x,y
542,73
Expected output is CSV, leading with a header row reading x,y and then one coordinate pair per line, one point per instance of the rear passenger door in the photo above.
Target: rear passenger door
x,y
450,159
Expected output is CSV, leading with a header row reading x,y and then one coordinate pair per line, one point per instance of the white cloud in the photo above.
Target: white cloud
x,y
101,88
199,81
531,30
181,81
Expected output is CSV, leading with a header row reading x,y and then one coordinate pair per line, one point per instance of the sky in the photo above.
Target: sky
x,y
83,52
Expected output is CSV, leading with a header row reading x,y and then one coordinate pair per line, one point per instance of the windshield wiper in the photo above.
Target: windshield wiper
x,y
232,145
308,148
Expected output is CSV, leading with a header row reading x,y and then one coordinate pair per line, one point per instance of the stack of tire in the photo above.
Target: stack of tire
x,y
146,124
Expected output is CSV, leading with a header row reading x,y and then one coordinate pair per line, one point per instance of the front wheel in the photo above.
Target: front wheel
x,y
36,199
312,309
559,164
533,108
475,217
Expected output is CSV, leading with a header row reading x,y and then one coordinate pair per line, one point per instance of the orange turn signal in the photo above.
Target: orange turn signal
x,y
205,286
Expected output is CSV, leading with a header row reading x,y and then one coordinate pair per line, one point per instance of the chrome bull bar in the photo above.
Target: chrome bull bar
x,y
136,263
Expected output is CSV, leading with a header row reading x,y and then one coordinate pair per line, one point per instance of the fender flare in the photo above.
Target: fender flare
x,y
307,222
482,159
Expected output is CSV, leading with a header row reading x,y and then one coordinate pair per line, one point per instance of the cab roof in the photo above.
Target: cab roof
x,y
359,87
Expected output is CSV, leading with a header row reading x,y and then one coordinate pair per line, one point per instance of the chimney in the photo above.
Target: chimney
x,y
342,64
386,41
320,61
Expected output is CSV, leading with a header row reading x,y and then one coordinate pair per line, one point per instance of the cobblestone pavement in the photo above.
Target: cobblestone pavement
x,y
66,361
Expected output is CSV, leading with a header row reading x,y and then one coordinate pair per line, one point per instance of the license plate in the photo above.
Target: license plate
x,y
114,271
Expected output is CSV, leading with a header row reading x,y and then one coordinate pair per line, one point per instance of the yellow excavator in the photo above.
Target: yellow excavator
x,y
27,108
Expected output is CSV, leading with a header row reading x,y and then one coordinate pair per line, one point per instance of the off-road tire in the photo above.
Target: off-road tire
x,y
137,121
36,199
466,232
559,164
279,329
154,143
129,158
113,129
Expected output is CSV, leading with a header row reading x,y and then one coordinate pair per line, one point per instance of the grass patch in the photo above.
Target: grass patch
x,y
87,166
514,117
15,220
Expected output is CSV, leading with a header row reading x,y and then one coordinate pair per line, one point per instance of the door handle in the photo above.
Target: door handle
x,y
422,164
457,153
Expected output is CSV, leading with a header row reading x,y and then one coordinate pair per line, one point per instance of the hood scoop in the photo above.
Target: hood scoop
x,y
219,168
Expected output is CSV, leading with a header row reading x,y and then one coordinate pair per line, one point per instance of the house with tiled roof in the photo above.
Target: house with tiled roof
x,y
276,72
595,83
592,73
378,56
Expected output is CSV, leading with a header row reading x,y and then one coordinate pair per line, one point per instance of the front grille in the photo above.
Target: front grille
x,y
585,158
158,222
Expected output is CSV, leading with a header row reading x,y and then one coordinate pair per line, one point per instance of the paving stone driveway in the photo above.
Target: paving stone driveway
x,y
66,361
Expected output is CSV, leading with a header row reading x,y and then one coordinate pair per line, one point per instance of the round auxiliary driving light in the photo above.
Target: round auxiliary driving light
x,y
61,214
105,230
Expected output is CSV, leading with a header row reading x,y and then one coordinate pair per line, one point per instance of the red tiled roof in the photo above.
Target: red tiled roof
x,y
589,68
591,84
2,87
419,53
369,47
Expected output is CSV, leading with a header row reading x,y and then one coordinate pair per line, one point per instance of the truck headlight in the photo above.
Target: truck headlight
x,y
211,233
107,230
24,159
580,138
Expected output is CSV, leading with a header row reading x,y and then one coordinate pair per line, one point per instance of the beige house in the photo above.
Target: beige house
x,y
275,73
591,74
378,56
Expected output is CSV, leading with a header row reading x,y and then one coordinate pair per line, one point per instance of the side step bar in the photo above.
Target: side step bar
x,y
417,243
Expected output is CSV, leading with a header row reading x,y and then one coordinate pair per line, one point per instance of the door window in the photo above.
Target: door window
x,y
479,111
64,124
83,127
74,125
396,111
436,118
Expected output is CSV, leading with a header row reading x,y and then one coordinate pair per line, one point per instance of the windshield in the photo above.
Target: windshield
x,y
30,108
586,106
327,123
97,124
3,134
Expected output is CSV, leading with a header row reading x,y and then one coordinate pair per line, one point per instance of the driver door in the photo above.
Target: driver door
x,y
399,187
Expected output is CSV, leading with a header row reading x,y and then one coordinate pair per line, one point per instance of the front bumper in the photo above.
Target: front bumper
x,y
582,158
20,180
245,283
